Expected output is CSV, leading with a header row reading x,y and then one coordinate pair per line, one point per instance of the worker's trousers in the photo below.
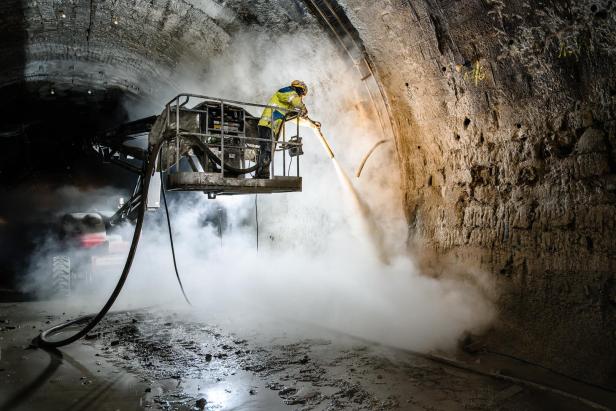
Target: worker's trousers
x,y
265,149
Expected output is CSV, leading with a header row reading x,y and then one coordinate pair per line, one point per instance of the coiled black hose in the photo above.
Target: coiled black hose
x,y
92,320
42,340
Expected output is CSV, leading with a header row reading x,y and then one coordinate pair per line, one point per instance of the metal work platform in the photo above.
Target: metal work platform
x,y
214,147
215,184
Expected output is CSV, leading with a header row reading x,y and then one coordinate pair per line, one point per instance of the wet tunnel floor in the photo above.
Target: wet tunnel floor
x,y
169,360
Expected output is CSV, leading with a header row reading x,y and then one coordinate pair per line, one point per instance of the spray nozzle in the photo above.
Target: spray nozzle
x,y
316,124
319,133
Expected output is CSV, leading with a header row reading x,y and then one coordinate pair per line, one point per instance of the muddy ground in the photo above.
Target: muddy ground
x,y
172,359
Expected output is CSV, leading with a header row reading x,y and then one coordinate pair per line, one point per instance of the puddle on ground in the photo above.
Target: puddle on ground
x,y
240,391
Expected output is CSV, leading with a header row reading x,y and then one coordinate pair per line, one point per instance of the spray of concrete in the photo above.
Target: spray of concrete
x,y
370,228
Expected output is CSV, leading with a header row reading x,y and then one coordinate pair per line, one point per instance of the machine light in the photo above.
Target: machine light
x,y
93,240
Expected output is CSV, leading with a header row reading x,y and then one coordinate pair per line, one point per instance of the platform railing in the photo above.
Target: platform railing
x,y
175,107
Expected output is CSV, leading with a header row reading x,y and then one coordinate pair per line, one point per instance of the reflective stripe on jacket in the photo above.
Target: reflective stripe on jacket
x,y
286,98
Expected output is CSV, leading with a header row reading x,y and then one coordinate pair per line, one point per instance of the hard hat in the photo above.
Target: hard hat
x,y
300,85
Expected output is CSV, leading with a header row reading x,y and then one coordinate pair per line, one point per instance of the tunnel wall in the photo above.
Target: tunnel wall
x,y
505,125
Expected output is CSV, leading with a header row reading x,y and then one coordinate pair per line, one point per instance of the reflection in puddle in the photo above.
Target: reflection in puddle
x,y
240,391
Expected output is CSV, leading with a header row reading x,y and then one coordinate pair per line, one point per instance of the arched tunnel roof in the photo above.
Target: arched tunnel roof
x,y
131,46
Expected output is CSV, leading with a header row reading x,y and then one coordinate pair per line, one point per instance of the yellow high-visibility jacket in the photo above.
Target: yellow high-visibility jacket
x,y
286,98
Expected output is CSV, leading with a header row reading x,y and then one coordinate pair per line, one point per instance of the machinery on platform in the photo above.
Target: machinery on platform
x,y
197,143
211,147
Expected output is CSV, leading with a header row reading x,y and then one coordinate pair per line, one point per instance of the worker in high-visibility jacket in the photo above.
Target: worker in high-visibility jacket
x,y
287,98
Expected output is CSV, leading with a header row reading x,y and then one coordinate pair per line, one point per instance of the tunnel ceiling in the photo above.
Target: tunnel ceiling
x,y
70,47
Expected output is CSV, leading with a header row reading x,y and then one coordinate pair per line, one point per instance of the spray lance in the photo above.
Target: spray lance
x,y
317,126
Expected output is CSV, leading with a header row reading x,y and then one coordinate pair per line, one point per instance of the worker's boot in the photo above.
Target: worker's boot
x,y
263,172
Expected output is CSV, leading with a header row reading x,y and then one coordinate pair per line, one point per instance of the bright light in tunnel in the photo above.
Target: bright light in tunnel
x,y
217,396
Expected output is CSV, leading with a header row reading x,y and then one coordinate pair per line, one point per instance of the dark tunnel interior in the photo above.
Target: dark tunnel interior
x,y
46,144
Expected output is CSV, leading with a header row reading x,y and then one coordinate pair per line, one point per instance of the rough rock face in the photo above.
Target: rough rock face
x,y
505,120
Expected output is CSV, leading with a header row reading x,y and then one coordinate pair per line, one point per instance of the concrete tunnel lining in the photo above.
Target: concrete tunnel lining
x,y
523,190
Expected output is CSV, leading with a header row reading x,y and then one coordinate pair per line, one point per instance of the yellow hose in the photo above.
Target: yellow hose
x,y
367,156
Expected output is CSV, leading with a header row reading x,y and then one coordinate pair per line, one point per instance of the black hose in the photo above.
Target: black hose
x,y
175,265
534,364
92,320
257,219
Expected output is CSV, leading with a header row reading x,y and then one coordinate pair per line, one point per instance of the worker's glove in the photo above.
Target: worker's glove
x,y
303,113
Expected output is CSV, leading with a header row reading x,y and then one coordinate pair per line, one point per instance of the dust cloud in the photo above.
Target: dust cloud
x,y
316,262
